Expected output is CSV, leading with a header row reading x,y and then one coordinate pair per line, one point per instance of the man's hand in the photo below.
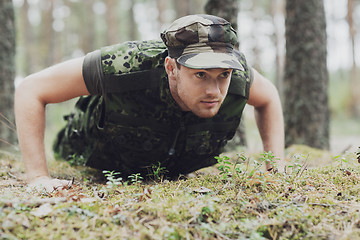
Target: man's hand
x,y
269,117
58,83
48,184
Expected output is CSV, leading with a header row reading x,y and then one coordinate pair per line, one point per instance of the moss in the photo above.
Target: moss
x,y
318,203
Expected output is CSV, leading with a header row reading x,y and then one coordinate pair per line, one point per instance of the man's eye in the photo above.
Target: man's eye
x,y
200,74
225,74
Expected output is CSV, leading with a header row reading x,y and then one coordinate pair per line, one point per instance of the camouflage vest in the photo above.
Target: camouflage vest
x,y
136,124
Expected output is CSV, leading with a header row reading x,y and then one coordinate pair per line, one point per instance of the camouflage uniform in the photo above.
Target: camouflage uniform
x,y
136,124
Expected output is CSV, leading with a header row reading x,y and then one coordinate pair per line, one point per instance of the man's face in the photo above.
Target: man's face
x,y
201,91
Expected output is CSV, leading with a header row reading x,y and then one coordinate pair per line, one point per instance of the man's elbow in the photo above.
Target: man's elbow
x,y
22,88
27,91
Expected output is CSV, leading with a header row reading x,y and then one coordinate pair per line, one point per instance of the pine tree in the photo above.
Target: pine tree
x,y
306,109
7,73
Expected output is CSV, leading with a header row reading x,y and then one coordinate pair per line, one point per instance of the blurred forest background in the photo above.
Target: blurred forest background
x,y
51,31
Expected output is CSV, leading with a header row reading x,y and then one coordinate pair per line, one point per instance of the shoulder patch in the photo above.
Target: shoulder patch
x,y
133,56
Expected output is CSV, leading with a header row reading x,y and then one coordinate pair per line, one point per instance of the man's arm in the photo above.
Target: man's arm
x,y
52,85
269,116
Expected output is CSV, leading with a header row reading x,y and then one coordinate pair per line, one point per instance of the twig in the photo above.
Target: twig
x,y
303,168
323,204
11,123
12,175
6,125
71,183
247,165
346,149
6,142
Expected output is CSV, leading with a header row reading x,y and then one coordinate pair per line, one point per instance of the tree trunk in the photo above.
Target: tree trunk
x,y
354,108
88,32
306,107
27,40
7,73
182,8
111,21
228,9
255,49
277,11
47,47
161,6
132,23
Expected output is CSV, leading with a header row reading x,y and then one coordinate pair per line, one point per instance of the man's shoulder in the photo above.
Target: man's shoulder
x,y
241,79
133,56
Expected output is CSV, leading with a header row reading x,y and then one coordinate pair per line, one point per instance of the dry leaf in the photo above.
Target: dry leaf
x,y
202,190
42,211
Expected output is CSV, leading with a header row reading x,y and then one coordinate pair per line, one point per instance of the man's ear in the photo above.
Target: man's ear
x,y
170,66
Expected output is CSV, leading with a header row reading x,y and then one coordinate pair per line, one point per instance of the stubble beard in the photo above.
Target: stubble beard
x,y
180,97
197,108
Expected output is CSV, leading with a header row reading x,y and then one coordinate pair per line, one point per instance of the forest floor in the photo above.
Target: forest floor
x,y
317,198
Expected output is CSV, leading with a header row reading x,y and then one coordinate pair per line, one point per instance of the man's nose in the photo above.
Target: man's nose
x,y
212,87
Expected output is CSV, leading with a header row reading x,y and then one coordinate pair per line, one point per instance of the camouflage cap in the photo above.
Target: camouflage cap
x,y
202,41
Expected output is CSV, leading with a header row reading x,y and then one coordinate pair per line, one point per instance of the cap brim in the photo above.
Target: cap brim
x,y
208,60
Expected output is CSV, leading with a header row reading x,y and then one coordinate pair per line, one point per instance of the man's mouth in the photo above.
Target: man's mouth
x,y
209,103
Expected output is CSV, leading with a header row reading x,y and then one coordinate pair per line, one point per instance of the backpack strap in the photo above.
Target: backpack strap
x,y
147,79
239,85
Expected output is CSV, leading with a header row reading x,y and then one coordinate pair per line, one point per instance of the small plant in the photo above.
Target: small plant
x,y
256,168
224,167
241,160
112,180
157,172
206,213
76,159
295,165
135,178
269,159
341,159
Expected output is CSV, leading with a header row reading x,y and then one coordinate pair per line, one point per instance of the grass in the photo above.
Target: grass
x,y
235,199
318,198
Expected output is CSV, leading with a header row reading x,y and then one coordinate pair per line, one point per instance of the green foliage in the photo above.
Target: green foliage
x,y
224,166
269,159
295,164
76,160
298,164
341,159
248,171
135,178
157,172
112,180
